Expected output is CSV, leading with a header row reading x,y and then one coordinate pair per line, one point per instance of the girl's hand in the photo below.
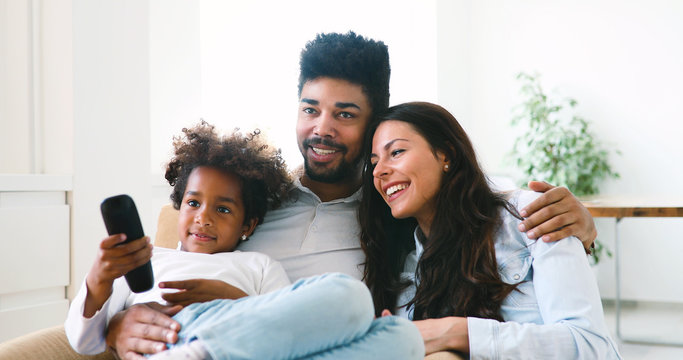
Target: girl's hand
x,y
113,260
449,333
199,290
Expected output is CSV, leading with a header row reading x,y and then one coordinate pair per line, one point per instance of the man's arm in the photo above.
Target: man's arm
x,y
557,214
143,329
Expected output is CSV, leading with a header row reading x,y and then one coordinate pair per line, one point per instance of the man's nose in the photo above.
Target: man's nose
x,y
325,126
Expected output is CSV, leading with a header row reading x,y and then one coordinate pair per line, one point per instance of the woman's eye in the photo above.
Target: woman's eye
x,y
345,115
309,110
224,210
397,152
193,203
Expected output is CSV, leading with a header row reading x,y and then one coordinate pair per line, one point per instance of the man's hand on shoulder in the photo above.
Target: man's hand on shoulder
x,y
556,215
143,329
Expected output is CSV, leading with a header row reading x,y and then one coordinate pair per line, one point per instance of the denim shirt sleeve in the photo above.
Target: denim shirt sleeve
x,y
559,316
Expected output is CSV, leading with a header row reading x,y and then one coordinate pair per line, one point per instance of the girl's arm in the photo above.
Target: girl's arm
x,y
87,335
199,290
101,295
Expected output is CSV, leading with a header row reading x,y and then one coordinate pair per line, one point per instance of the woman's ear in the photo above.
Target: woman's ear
x,y
249,226
445,161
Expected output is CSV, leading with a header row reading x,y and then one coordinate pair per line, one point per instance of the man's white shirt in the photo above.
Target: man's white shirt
x,y
311,237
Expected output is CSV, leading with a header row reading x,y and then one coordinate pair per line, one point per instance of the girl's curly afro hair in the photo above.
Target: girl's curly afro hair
x,y
261,169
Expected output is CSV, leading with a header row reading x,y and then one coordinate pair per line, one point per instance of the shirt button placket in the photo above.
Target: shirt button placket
x,y
310,241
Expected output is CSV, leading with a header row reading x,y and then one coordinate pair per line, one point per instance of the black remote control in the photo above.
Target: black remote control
x,y
121,217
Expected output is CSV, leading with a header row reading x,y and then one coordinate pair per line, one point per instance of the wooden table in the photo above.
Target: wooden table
x,y
635,207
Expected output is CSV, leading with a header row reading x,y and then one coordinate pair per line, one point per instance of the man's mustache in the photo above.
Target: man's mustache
x,y
321,141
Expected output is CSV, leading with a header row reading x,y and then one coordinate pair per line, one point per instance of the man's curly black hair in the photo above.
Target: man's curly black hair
x,y
261,169
349,57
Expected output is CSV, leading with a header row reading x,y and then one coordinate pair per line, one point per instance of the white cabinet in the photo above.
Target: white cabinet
x,y
34,252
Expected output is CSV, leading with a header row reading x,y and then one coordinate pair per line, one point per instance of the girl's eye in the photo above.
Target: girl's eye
x,y
397,152
224,210
345,115
193,203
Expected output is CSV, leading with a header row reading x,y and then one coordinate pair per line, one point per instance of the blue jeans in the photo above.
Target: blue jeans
x,y
324,317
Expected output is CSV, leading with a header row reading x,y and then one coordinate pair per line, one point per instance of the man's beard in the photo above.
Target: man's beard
x,y
329,175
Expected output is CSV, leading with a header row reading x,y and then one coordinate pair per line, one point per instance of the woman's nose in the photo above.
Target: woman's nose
x,y
380,169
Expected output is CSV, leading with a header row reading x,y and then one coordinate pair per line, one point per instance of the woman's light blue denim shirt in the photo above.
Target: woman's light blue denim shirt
x,y
556,314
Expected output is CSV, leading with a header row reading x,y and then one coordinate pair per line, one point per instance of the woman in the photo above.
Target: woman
x,y
470,281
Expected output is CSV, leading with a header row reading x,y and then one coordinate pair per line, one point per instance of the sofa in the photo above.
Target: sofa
x,y
51,343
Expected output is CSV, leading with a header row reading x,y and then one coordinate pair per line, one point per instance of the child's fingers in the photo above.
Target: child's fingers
x,y
178,297
112,240
137,257
124,249
178,284
121,259
134,245
141,256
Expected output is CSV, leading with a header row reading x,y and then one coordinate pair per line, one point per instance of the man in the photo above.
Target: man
x,y
343,85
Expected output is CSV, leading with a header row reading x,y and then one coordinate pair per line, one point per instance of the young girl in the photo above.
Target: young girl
x,y
474,283
222,188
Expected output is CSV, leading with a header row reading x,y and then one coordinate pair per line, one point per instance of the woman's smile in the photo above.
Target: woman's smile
x,y
394,191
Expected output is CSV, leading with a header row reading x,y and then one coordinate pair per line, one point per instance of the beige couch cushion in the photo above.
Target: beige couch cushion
x,y
167,228
46,344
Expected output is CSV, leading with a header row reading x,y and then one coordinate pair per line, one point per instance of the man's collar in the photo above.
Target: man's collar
x,y
355,197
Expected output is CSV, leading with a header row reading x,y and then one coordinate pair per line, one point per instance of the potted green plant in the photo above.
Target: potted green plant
x,y
556,145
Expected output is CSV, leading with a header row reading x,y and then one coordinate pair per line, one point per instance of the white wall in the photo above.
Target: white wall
x,y
35,86
111,118
175,76
250,58
56,109
15,64
622,61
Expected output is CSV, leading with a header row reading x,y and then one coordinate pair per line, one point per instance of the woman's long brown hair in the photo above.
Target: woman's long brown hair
x,y
457,274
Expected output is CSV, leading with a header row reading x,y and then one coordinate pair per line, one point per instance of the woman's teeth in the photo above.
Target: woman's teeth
x,y
392,190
